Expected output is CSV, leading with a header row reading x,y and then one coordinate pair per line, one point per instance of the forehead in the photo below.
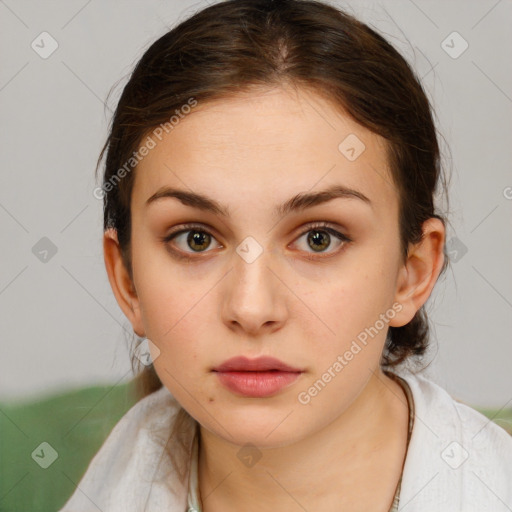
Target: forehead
x,y
266,146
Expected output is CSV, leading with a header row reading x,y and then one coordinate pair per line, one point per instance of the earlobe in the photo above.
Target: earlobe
x,y
120,281
419,274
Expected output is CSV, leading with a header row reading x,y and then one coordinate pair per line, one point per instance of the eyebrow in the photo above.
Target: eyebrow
x,y
297,203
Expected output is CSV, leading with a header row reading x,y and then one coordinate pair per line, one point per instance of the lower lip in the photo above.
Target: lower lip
x,y
257,384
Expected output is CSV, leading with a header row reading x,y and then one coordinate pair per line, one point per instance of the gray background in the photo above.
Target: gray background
x,y
61,326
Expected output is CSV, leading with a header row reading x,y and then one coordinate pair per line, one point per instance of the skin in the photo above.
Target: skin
x,y
251,153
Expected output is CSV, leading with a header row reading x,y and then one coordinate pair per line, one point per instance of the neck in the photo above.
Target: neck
x,y
364,448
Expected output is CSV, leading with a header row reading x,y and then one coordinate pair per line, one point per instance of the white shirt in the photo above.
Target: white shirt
x,y
457,460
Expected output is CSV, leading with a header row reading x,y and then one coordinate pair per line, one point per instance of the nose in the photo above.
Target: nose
x,y
254,298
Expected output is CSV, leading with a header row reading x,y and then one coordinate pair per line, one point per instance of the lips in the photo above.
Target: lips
x,y
256,378
260,364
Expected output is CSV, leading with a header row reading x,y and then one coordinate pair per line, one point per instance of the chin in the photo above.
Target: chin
x,y
263,431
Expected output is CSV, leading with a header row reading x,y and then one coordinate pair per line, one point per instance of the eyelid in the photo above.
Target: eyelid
x,y
188,227
325,226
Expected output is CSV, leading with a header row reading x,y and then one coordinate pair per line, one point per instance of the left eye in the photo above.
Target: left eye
x,y
319,238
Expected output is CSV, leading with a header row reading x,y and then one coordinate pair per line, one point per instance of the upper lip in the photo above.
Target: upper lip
x,y
263,363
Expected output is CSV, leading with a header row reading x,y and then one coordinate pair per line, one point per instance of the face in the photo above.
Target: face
x,y
313,285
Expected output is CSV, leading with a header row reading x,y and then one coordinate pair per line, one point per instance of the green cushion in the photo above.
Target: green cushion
x,y
74,424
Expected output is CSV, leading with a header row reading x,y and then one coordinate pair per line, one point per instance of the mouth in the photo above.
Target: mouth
x,y
256,378
260,364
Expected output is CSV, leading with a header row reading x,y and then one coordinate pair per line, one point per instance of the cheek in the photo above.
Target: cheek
x,y
354,301
355,319
354,311
171,315
173,322
181,364
167,292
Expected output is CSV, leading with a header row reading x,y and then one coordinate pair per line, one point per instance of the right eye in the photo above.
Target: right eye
x,y
192,237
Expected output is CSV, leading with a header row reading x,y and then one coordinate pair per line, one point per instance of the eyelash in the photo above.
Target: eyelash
x,y
319,226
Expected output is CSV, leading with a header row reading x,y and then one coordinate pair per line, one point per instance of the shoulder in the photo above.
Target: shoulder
x,y
121,474
457,458
461,420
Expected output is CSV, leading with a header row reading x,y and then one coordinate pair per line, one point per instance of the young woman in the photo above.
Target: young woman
x,y
270,228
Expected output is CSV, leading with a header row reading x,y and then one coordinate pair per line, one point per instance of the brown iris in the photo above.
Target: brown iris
x,y
198,240
320,239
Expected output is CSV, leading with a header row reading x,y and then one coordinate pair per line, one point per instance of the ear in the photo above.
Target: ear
x,y
419,274
120,281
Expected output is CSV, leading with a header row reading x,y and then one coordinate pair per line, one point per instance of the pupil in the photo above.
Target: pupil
x,y
198,238
319,239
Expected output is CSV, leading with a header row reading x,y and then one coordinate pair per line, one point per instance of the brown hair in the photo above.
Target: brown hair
x,y
237,45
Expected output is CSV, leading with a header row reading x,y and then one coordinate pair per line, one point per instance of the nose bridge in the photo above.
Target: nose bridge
x,y
253,298
251,273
